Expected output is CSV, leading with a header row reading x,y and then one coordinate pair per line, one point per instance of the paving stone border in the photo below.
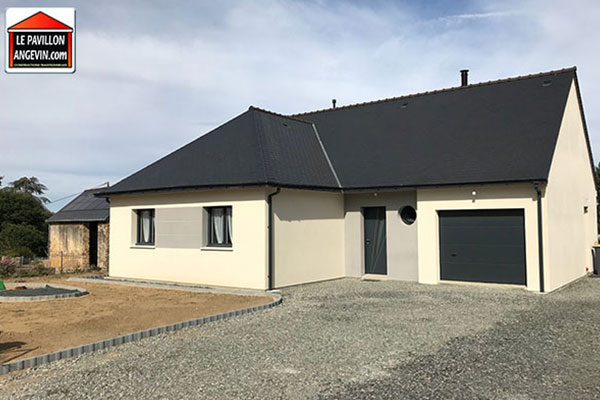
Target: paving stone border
x,y
11,285
132,337
104,279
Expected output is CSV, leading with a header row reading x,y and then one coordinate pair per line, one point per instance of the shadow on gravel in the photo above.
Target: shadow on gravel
x,y
549,352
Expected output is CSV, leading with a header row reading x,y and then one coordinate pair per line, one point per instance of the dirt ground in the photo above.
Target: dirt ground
x,y
32,328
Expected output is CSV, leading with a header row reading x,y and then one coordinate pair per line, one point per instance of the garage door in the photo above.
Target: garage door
x,y
483,246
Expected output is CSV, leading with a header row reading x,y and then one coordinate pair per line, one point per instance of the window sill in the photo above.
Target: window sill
x,y
216,248
142,246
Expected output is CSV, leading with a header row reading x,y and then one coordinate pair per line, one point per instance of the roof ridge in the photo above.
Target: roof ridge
x,y
292,117
324,150
451,89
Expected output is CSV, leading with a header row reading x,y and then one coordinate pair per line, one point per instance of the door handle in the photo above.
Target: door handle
x,y
367,241
453,255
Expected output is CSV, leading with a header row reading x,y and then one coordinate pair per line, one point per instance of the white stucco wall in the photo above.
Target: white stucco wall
x,y
402,257
430,201
244,265
308,236
570,233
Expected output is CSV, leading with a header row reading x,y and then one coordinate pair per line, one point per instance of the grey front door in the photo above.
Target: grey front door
x,y
375,240
483,246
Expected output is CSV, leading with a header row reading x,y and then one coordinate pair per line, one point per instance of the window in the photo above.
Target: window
x,y
408,215
145,227
219,226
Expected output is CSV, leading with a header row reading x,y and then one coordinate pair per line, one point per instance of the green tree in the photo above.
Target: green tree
x,y
22,208
30,185
23,227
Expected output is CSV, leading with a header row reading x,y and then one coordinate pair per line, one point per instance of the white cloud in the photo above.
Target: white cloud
x,y
460,17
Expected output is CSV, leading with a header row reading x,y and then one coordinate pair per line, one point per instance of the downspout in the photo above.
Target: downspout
x,y
540,237
270,240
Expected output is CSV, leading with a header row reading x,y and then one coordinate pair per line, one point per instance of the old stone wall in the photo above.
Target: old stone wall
x,y
103,250
69,246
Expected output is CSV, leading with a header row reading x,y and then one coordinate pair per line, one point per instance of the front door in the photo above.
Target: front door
x,y
375,240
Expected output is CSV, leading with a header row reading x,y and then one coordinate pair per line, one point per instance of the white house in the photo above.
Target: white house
x,y
490,182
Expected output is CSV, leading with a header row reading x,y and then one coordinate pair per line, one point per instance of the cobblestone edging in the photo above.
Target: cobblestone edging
x,y
11,285
131,337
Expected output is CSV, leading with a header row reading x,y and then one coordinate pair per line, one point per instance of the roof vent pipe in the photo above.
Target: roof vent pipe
x,y
333,101
464,77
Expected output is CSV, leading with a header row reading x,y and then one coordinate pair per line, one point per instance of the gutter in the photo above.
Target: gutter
x,y
224,186
339,189
540,237
270,240
357,189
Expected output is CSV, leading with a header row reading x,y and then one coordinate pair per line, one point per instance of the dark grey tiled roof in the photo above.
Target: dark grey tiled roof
x,y
255,148
84,208
500,131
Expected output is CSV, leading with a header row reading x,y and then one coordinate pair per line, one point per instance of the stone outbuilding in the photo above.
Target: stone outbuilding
x,y
79,234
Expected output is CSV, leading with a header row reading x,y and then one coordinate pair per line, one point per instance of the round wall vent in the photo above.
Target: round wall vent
x,y
408,215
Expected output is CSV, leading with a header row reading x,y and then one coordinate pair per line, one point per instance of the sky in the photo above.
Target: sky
x,y
152,76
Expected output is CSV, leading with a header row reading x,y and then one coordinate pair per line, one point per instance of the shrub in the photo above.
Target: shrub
x,y
21,240
16,251
40,269
7,267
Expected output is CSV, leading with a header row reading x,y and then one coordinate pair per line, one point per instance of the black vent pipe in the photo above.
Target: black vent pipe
x,y
270,234
464,77
540,232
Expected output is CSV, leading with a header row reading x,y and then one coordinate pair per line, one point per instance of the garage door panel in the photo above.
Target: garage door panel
x,y
486,272
481,235
481,217
483,253
483,246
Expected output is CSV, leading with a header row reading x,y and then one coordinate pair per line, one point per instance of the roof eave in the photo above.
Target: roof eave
x,y
442,185
318,188
585,129
218,186
76,220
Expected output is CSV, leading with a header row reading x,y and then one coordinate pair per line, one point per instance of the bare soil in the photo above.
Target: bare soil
x,y
28,329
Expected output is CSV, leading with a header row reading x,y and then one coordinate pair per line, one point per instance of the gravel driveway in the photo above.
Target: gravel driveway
x,y
348,339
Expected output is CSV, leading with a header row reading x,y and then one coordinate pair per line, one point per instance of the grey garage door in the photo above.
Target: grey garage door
x,y
483,246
